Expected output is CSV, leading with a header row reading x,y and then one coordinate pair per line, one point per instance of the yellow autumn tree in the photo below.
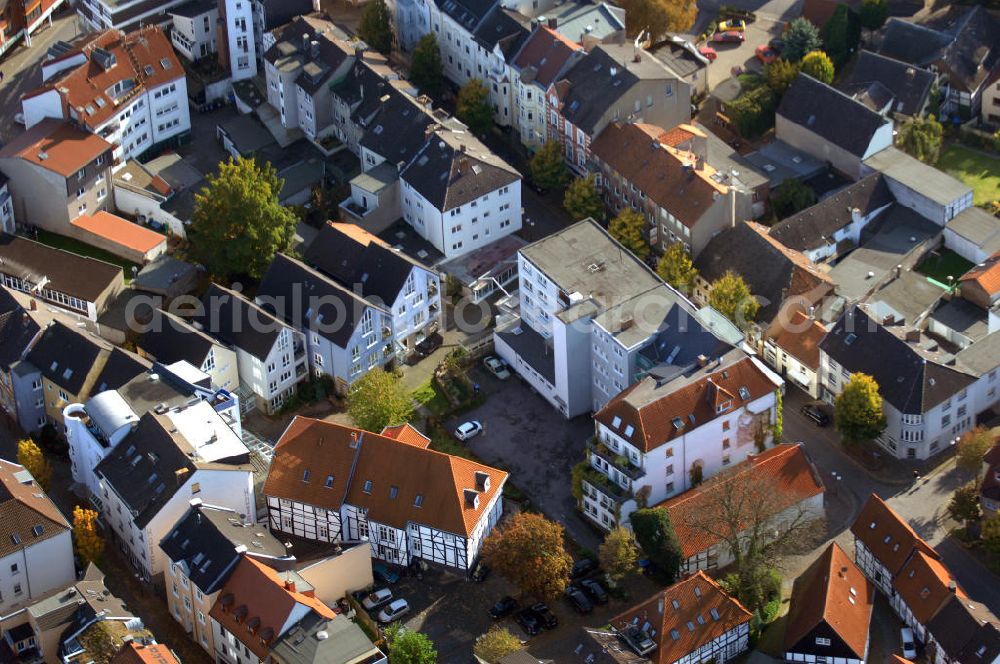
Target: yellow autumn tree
x,y
30,455
88,542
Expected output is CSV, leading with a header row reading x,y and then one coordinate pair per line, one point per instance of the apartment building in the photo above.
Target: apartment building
x,y
332,483
270,355
271,14
168,339
129,89
612,83
545,56
666,434
793,351
18,21
18,330
55,173
193,28
100,15
496,40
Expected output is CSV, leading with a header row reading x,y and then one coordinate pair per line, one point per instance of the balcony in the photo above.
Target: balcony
x,y
432,288
603,485
618,461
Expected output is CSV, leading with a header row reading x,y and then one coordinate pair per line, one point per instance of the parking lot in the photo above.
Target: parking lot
x,y
741,55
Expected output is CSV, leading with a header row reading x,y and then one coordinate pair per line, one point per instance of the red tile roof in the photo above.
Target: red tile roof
x,y
358,234
399,472
22,507
653,422
256,603
887,535
784,470
407,433
833,591
138,653
120,231
547,51
800,338
986,275
687,615
924,584
57,146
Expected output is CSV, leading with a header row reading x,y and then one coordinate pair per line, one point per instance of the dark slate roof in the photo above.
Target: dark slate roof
x,y
316,71
287,279
17,329
957,625
815,226
194,8
279,12
467,13
207,539
344,642
910,86
85,278
911,42
500,27
909,378
171,339
453,168
240,322
64,356
377,272
830,114
395,124
120,368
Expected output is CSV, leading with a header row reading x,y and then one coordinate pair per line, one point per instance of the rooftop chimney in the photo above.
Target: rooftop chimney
x,y
289,585
553,23
913,336
181,475
702,360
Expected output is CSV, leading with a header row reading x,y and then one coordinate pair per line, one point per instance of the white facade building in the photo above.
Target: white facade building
x,y
193,29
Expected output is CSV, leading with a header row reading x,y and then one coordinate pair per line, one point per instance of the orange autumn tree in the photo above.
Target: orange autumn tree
x,y
87,541
530,552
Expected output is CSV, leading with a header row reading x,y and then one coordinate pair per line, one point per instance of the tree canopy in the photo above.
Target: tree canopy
x,y
87,541
627,227
581,199
791,196
658,539
818,65
780,74
921,138
618,553
530,552
378,400
30,455
841,36
548,168
409,647
238,225
426,68
658,16
964,505
800,38
374,28
874,13
731,297
676,268
496,644
858,411
474,107
972,446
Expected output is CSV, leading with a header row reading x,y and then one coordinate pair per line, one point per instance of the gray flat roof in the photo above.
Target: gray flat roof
x,y
247,133
533,348
906,298
982,356
377,178
913,173
979,227
964,317
780,161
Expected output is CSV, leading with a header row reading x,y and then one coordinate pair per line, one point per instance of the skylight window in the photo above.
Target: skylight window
x,y
329,482
367,487
616,422
418,501
393,492
744,393
165,63
305,475
629,430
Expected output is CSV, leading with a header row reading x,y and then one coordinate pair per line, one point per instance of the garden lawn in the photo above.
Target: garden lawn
x,y
50,239
428,395
978,170
943,264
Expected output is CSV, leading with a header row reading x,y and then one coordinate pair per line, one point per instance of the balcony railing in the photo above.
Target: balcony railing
x,y
618,461
605,486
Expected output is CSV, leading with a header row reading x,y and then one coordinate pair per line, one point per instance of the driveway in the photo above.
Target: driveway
x,y
538,446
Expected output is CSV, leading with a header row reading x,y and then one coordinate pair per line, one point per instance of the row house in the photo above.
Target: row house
x,y
345,335
784,470
332,483
94,426
364,264
55,173
19,20
682,197
496,40
830,611
793,351
36,553
271,356
149,478
264,615
666,434
269,15
612,83
168,339
129,89
18,331
890,86
692,621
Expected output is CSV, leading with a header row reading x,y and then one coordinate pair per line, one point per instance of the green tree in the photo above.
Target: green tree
x,y
374,28
30,455
921,138
581,199
378,400
972,446
656,535
753,111
841,35
529,551
778,430
791,196
426,68
991,535
87,542
858,411
474,107
548,168
658,16
964,505
731,297
676,268
496,644
874,13
818,65
780,75
618,554
800,38
238,225
627,228
409,647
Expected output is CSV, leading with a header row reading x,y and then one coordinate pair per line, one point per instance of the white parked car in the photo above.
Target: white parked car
x,y
377,599
396,610
467,430
497,367
909,646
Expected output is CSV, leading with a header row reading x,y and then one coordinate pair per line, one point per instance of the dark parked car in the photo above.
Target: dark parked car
x,y
583,567
816,414
383,575
777,44
503,608
480,572
578,600
549,620
530,621
429,345
595,590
